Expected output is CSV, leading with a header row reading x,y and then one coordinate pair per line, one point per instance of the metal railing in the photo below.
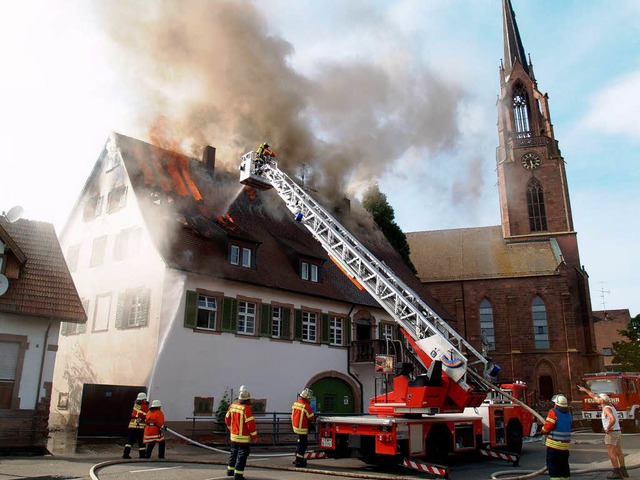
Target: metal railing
x,y
274,428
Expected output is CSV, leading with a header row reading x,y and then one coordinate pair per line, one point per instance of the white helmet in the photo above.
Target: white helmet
x,y
142,396
306,393
561,401
156,403
243,394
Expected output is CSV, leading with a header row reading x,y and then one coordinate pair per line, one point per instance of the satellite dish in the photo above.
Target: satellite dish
x,y
4,284
14,214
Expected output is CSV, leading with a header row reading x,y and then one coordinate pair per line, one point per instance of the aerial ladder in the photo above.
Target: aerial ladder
x,y
457,373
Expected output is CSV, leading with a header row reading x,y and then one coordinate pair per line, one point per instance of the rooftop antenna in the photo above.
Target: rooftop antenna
x,y
603,292
14,214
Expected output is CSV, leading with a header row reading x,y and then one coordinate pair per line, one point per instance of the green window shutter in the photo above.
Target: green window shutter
x,y
120,311
379,331
324,328
265,320
347,328
63,328
229,314
191,310
144,298
286,323
82,327
297,333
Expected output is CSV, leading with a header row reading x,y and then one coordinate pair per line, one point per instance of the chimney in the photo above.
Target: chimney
x,y
209,158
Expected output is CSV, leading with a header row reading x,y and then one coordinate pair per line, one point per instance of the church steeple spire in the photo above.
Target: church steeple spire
x,y
513,49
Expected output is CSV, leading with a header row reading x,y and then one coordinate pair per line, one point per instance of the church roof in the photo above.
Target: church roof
x,y
43,287
192,215
479,253
513,48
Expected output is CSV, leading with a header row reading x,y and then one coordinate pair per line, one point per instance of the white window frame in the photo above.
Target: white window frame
x,y
136,308
246,257
276,322
336,331
234,255
309,271
208,305
246,318
310,327
387,331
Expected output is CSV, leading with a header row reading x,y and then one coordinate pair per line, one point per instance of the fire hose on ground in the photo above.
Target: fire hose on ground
x,y
501,475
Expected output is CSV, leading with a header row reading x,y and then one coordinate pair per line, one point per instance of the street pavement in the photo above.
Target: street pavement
x,y
587,453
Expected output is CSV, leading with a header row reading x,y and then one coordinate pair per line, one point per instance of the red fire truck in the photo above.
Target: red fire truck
x,y
441,404
624,390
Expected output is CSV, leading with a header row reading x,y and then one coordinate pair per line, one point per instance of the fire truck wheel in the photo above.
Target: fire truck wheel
x,y
514,437
439,442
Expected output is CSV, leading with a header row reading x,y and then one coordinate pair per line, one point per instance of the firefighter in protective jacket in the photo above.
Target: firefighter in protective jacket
x,y
154,431
240,422
136,426
557,429
301,416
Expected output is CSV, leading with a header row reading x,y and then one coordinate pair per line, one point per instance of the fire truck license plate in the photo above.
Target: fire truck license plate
x,y
326,442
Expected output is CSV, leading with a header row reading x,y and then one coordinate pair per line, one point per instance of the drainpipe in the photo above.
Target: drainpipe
x,y
44,353
352,375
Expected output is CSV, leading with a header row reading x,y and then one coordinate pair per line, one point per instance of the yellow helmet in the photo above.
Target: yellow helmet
x,y
156,404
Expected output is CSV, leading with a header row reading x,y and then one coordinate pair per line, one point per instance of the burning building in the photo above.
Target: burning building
x,y
195,285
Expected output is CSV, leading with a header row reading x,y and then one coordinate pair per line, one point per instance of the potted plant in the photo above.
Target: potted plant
x,y
221,411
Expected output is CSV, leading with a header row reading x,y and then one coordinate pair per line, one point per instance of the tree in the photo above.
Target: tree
x,y
627,354
375,202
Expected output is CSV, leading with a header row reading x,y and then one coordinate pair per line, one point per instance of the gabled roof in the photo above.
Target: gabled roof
x,y
44,287
479,253
193,216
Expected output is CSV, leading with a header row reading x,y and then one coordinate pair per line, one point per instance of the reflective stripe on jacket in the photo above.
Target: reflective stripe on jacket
x,y
138,414
301,415
557,427
239,420
155,421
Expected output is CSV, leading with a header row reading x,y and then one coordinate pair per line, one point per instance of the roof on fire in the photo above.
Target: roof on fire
x,y
203,210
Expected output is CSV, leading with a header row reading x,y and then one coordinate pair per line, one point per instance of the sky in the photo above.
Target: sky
x,y
396,92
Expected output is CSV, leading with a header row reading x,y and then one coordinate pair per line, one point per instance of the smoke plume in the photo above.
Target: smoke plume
x,y
216,75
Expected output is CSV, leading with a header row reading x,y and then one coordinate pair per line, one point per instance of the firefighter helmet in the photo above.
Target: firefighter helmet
x,y
156,404
243,394
306,393
561,401
142,396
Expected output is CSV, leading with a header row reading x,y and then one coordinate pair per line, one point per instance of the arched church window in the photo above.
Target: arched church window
x,y
486,326
521,115
540,327
535,204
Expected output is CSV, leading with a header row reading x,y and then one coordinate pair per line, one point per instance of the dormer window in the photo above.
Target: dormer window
x,y
241,256
309,271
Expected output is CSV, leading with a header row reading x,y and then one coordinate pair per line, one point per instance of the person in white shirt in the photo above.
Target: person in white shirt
x,y
612,433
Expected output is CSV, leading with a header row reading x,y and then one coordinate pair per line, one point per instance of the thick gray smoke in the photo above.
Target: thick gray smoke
x,y
210,72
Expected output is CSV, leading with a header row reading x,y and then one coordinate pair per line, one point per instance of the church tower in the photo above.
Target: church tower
x,y
532,181
534,198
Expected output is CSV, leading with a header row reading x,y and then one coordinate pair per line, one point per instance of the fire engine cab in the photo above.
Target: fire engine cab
x,y
624,390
